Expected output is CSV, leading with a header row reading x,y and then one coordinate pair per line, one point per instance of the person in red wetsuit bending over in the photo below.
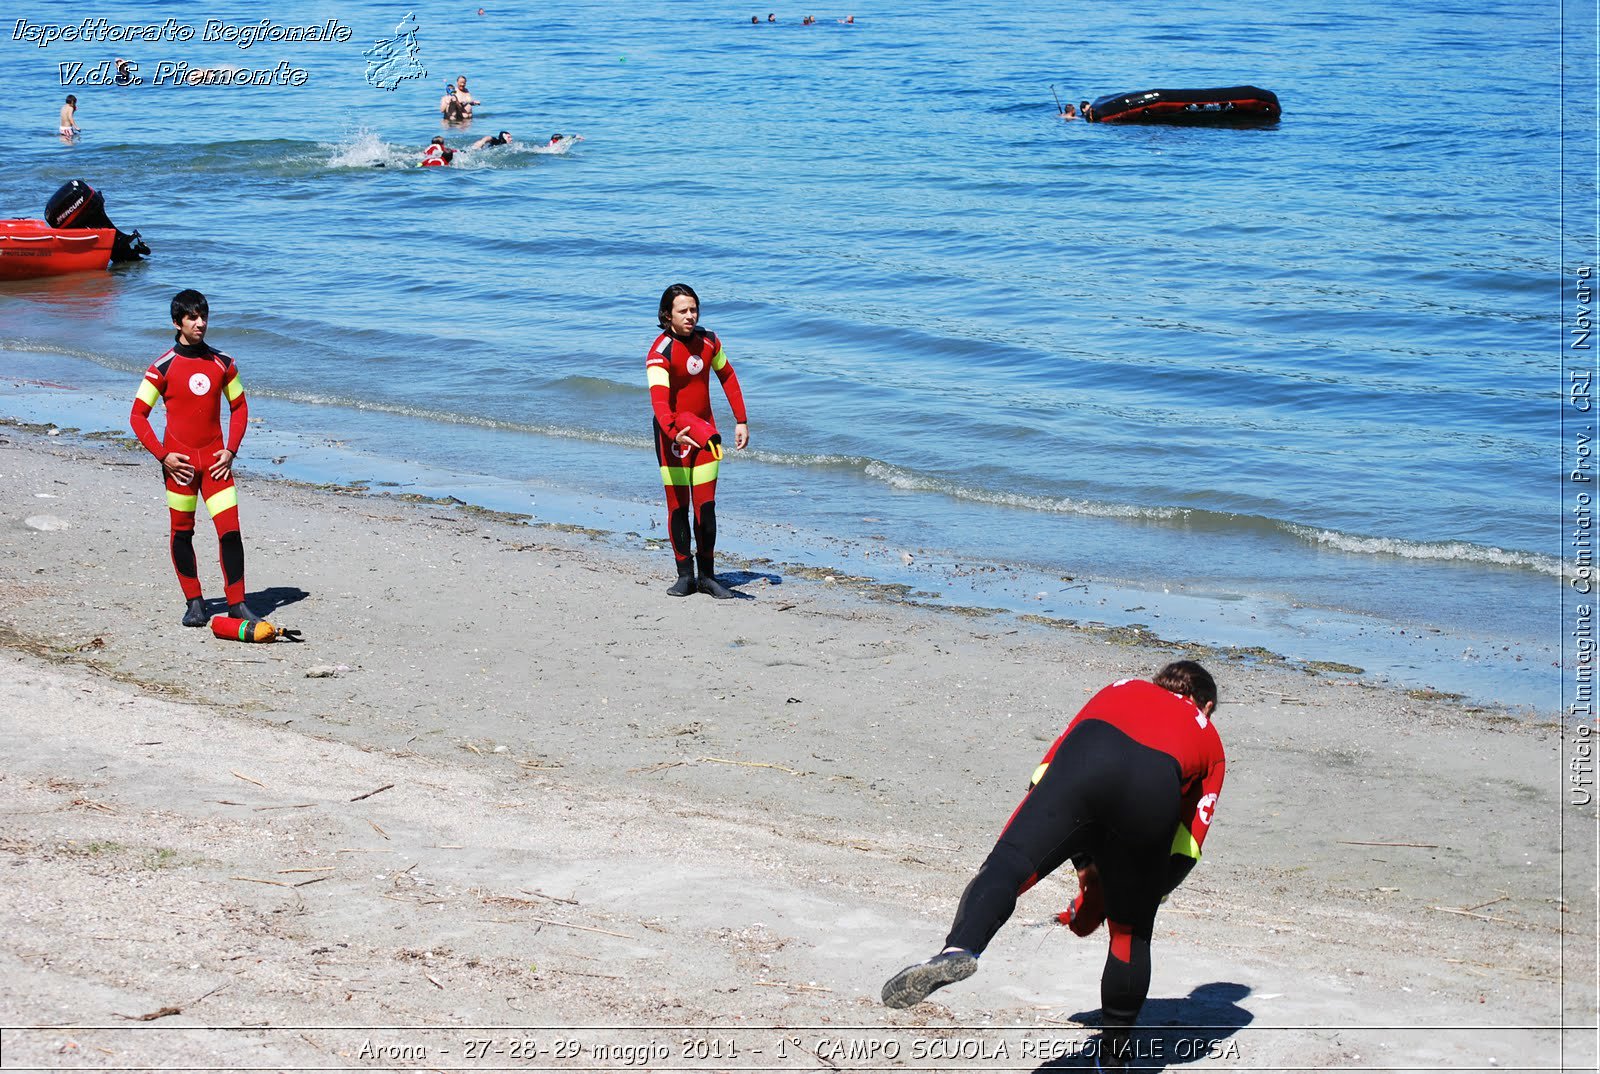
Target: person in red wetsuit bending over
x,y
1127,793
191,379
688,446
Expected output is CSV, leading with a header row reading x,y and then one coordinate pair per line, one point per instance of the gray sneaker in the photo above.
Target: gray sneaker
x,y
911,985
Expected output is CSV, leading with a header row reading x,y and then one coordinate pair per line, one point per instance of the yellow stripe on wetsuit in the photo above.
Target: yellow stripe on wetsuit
x,y
686,475
222,500
1184,843
234,389
147,394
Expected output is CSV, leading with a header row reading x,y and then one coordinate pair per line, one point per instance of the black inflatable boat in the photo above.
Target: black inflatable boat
x,y
1227,106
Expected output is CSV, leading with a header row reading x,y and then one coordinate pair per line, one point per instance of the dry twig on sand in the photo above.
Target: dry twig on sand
x,y
164,1012
1367,843
755,764
1497,920
659,766
584,928
580,973
536,893
90,803
792,984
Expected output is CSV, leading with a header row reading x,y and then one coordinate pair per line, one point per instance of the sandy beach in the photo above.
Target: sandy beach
x,y
508,791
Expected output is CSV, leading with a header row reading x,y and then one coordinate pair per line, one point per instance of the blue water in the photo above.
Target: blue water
x,y
1312,368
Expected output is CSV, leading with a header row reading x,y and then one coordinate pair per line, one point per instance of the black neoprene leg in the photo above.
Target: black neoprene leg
x,y
705,537
183,553
231,549
1125,982
1046,829
678,531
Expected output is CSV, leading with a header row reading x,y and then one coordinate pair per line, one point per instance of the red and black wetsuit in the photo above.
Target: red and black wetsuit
x,y
1131,783
192,381
679,373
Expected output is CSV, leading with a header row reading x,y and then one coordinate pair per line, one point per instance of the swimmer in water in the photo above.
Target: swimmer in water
x,y
503,138
463,98
69,116
437,155
449,107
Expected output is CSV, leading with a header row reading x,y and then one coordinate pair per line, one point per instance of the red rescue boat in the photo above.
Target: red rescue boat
x,y
75,236
30,248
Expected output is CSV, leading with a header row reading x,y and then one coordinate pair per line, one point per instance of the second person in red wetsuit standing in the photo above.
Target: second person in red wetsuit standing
x,y
688,446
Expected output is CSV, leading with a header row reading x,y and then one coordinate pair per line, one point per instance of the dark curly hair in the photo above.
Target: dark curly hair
x,y
668,297
1189,679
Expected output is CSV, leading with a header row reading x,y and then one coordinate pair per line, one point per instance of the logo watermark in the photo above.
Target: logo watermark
x,y
390,62
245,35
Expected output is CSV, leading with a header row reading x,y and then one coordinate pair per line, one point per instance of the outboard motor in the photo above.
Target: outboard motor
x,y
79,205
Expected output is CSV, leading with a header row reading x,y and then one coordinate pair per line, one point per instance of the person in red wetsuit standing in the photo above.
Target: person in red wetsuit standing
x,y
1127,793
191,379
688,446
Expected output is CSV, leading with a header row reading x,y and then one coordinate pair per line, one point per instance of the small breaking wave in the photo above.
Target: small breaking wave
x,y
1444,551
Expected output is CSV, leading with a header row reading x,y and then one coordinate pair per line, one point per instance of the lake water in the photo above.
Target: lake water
x,y
1296,387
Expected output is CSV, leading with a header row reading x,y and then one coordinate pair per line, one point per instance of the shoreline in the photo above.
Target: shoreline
x,y
858,586
1387,654
524,787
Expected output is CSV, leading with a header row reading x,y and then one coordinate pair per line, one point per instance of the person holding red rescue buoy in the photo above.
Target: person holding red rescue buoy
x,y
1127,794
678,369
